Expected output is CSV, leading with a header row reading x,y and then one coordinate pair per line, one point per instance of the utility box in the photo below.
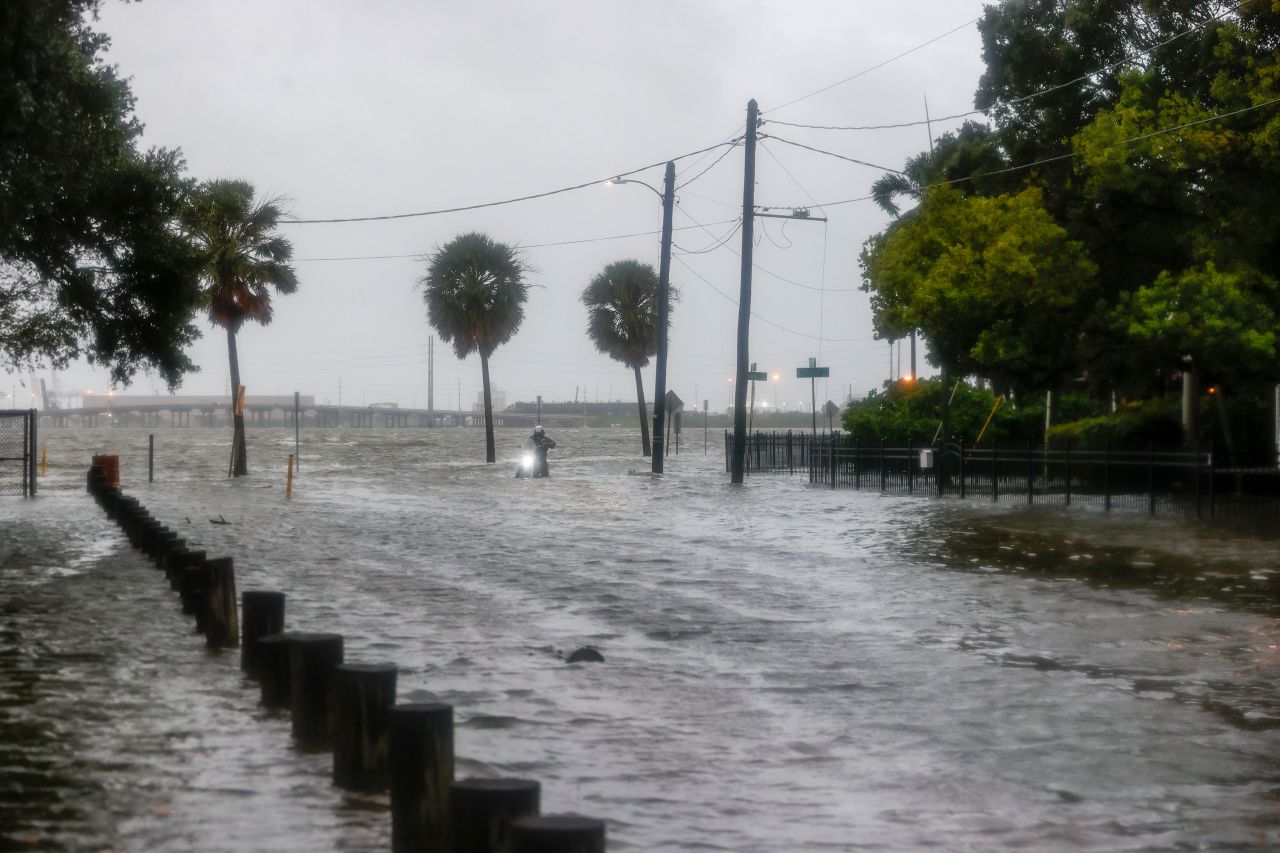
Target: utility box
x,y
926,459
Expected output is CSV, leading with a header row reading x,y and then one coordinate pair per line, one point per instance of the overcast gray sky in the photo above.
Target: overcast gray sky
x,y
394,106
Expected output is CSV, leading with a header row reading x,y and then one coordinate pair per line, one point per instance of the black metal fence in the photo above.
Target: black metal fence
x,y
1155,480
18,452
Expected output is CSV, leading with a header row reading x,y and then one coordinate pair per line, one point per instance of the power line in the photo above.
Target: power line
x,y
715,245
463,208
1021,99
878,65
714,163
765,320
831,154
1072,154
770,272
419,255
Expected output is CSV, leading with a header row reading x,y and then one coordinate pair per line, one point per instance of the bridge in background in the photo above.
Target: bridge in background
x,y
266,411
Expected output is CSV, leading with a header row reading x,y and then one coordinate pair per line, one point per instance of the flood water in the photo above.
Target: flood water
x,y
787,668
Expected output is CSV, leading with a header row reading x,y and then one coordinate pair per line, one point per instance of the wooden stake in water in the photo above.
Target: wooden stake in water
x,y
297,421
151,458
288,483
44,460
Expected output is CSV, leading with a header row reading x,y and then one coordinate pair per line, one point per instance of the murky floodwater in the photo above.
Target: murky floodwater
x,y
787,668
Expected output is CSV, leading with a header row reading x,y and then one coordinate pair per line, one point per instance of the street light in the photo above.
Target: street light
x,y
664,305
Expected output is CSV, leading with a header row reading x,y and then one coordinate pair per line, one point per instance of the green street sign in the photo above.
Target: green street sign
x,y
758,375
813,372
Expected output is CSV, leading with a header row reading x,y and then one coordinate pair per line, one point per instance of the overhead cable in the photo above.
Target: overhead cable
x,y
1072,154
480,206
1012,101
765,320
878,65
420,255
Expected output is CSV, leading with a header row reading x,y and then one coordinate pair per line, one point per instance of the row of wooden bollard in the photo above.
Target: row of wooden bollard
x,y
350,708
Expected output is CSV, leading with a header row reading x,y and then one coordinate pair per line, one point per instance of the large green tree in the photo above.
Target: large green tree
x,y
622,322
997,287
1149,131
475,291
244,260
90,264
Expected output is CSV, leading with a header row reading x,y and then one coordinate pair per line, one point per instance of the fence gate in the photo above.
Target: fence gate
x,y
18,452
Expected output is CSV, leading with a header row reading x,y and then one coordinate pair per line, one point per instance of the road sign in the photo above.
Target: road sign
x,y
813,371
758,375
831,409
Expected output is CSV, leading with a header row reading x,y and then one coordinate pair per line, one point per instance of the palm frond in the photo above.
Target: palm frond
x,y
475,290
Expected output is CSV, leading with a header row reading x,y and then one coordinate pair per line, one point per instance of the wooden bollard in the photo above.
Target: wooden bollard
x,y
192,580
178,563
557,834
363,697
132,522
124,505
421,764
221,625
160,544
152,533
272,656
142,532
262,612
313,665
165,559
481,812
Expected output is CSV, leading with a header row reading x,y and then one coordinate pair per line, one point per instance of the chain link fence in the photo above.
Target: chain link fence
x,y
18,452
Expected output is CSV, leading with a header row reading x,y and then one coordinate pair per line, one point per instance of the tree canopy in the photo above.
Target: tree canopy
x,y
1118,217
89,261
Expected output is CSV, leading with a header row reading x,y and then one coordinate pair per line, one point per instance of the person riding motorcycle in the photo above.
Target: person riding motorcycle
x,y
541,444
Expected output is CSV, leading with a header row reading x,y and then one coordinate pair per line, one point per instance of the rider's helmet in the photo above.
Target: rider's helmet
x,y
538,430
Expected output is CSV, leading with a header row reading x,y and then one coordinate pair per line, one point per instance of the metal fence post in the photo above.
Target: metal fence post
x,y
962,488
857,473
1031,475
1213,481
834,468
1106,474
884,483
1195,465
911,480
1068,478
995,472
1151,480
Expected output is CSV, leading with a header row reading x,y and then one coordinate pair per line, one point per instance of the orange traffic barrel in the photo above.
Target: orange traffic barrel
x,y
110,465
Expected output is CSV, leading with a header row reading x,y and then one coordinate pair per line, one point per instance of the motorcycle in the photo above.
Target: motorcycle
x,y
531,467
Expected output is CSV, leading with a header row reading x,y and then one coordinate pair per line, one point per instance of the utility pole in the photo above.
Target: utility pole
x,y
744,295
431,382
664,298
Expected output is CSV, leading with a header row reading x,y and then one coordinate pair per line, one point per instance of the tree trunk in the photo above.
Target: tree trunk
x,y
239,451
644,414
1190,409
490,454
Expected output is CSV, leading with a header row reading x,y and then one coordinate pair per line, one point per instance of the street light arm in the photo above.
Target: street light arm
x,y
613,182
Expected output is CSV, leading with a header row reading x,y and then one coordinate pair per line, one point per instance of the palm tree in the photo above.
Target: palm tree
x,y
475,292
912,182
622,321
244,260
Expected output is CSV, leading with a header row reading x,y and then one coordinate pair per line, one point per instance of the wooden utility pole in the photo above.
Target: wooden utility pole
x,y
744,295
664,316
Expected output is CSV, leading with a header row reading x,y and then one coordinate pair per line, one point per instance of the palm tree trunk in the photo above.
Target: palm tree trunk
x,y
239,452
644,414
490,455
